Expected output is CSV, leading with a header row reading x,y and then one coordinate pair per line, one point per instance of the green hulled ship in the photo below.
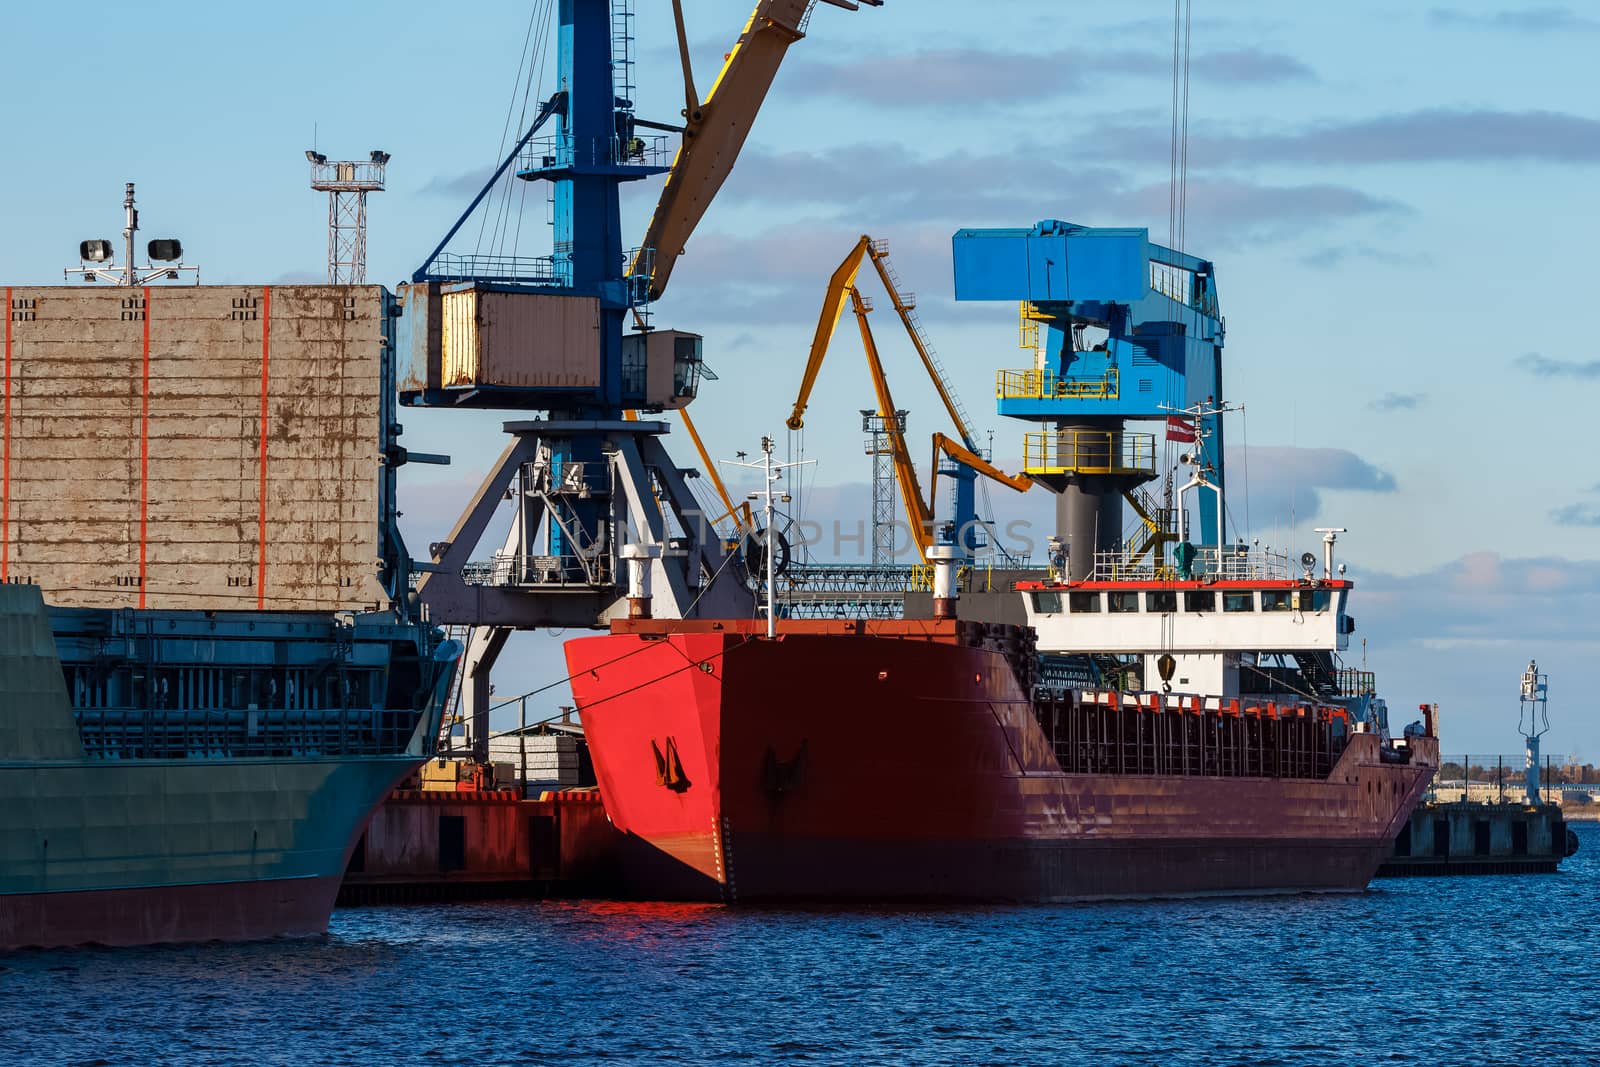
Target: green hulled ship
x,y
214,775
212,666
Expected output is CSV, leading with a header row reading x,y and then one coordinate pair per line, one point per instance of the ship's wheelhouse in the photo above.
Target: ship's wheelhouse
x,y
1254,637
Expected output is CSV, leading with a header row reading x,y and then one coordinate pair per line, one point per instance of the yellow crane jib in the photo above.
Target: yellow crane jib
x,y
715,128
961,454
918,515
841,284
739,513
904,306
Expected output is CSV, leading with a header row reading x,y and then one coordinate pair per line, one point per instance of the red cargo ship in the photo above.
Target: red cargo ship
x,y
924,759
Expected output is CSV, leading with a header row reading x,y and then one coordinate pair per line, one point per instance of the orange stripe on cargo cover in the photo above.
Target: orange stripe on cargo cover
x,y
144,449
5,459
261,520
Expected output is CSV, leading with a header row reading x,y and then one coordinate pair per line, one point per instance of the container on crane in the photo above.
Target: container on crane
x,y
546,335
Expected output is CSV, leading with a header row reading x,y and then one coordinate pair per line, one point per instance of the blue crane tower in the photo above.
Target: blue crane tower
x,y
1121,330
547,336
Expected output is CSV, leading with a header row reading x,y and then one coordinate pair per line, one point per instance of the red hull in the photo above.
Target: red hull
x,y
835,763
236,911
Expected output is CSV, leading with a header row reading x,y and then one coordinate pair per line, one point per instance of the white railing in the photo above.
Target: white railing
x,y
1233,563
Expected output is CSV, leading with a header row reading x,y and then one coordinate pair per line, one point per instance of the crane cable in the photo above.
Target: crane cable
x,y
1172,146
505,131
1178,194
1178,152
543,51
530,71
1183,160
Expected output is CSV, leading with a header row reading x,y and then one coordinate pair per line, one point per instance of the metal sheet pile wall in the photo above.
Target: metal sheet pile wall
x,y
211,448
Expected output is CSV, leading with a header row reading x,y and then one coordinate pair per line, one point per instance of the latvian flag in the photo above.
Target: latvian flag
x,y
1178,429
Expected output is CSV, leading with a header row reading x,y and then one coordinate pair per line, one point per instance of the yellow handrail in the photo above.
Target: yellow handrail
x,y
1047,385
1089,452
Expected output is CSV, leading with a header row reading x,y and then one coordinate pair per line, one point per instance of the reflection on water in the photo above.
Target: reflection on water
x,y
1486,970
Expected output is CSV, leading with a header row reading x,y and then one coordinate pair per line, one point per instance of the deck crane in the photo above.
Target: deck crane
x,y
715,128
967,463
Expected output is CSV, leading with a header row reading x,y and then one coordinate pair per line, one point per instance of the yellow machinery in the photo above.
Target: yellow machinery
x,y
714,132
842,284
715,128
739,513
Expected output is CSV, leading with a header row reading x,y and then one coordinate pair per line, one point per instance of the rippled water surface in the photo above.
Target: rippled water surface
x,y
1430,971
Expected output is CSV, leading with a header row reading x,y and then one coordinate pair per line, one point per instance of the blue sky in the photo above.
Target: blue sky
x,y
1400,204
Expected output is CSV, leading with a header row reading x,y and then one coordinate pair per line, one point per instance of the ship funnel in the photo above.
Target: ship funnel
x,y
640,563
943,559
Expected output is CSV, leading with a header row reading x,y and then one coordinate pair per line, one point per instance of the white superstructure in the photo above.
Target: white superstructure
x,y
1239,624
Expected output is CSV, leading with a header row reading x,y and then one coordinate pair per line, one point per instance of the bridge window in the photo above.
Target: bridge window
x,y
1047,603
1164,600
1199,600
1122,602
1238,602
1083,601
1277,600
1319,599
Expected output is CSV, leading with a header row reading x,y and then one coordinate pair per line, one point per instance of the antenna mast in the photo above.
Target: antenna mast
x,y
771,472
96,258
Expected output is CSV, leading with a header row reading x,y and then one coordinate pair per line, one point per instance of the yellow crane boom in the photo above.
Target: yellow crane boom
x,y
879,251
961,454
919,517
715,128
842,285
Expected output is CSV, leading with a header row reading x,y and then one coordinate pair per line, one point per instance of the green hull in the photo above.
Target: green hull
x,y
94,826
208,775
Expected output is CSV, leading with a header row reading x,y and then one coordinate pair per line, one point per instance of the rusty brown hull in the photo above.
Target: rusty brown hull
x,y
874,765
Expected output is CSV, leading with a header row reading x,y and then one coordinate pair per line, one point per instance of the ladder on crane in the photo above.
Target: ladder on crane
x,y
622,62
452,701
905,305
887,425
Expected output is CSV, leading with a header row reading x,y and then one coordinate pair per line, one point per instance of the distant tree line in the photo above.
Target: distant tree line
x,y
1512,773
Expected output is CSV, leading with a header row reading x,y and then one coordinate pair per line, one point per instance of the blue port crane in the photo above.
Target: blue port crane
x,y
1120,330
547,337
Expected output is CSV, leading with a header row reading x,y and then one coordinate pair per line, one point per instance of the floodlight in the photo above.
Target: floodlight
x,y
94,251
165,250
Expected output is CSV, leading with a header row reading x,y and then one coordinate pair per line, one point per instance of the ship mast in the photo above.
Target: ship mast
x,y
167,252
129,228
771,472
1206,467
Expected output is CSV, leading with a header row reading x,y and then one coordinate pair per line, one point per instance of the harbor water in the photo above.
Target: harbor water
x,y
1490,970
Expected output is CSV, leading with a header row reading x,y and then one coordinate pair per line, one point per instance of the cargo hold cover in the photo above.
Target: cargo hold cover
x,y
199,448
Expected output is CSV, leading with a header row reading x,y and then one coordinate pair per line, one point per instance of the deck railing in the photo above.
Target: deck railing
x,y
1048,385
1231,563
116,734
